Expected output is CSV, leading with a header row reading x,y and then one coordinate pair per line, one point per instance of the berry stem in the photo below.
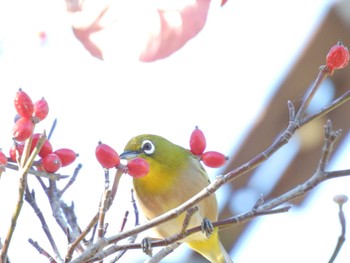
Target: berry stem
x,y
322,75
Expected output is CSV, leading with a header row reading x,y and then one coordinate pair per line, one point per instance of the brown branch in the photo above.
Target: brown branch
x,y
171,240
147,243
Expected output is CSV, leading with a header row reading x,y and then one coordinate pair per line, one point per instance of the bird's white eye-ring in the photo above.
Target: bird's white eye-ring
x,y
147,147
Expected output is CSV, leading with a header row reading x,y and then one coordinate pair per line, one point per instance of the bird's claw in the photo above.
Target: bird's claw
x,y
207,227
146,245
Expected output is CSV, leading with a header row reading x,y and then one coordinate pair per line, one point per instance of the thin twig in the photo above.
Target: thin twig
x,y
72,179
132,238
245,217
54,200
71,218
151,242
322,112
309,94
102,214
51,176
136,211
41,250
171,247
125,219
52,129
163,253
340,200
30,198
329,138
76,242
23,172
7,258
94,220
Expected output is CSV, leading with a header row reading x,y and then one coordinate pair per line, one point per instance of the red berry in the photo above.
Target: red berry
x,y
107,156
45,149
23,104
66,155
197,142
138,167
213,159
16,151
23,129
41,109
337,57
3,160
51,163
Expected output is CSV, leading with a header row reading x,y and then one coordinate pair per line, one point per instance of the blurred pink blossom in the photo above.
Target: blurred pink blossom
x,y
150,30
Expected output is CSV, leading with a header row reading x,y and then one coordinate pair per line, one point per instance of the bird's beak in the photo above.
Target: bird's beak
x,y
127,155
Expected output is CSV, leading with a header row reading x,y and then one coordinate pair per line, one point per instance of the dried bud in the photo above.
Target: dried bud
x,y
340,199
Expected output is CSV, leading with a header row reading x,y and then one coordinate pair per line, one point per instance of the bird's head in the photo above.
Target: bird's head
x,y
160,153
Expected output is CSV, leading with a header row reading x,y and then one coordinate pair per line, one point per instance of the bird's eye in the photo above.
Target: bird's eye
x,y
147,147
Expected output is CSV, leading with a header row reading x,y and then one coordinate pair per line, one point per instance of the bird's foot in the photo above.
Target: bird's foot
x,y
146,245
207,227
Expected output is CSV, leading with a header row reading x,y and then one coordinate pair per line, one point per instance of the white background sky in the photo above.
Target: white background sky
x,y
206,83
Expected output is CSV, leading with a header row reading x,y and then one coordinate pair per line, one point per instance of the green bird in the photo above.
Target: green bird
x,y
175,176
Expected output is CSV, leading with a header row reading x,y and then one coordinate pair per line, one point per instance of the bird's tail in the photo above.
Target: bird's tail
x,y
212,249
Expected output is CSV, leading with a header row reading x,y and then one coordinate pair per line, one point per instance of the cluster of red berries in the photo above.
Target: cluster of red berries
x,y
109,158
29,114
337,57
198,144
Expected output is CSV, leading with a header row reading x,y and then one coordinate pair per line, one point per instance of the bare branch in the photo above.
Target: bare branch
x,y
102,213
30,198
72,179
94,220
309,94
26,163
51,176
335,104
41,250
